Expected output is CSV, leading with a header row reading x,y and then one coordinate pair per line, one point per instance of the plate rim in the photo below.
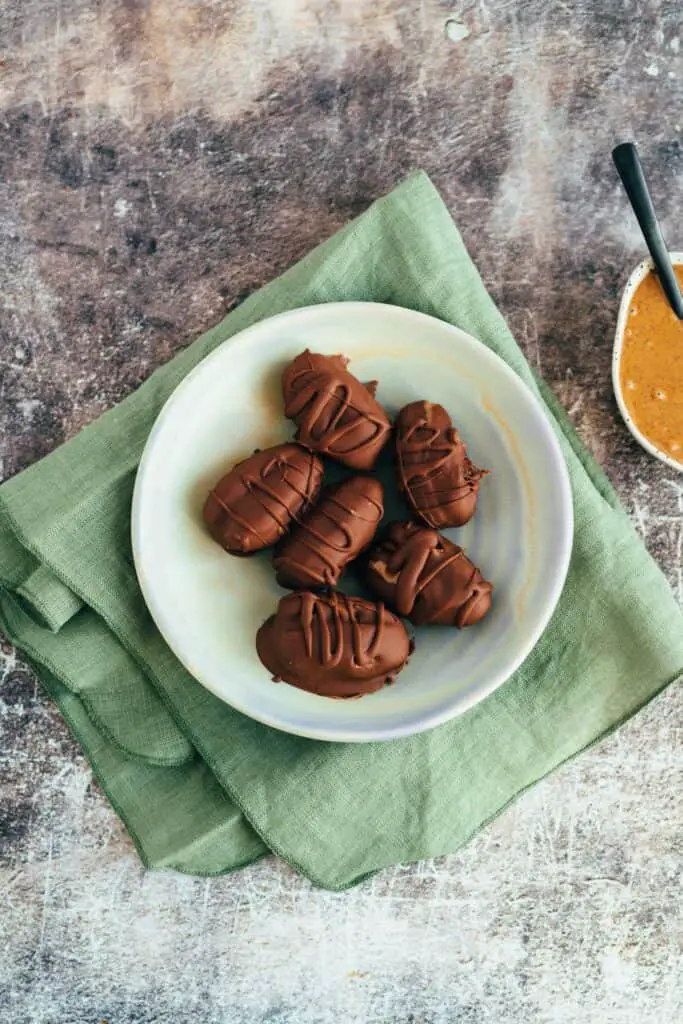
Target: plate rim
x,y
427,720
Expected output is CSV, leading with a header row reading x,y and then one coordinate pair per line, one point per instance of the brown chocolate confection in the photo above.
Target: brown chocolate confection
x,y
426,578
333,645
439,480
254,504
335,414
330,535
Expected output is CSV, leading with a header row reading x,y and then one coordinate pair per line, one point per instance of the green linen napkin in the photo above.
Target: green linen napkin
x,y
204,789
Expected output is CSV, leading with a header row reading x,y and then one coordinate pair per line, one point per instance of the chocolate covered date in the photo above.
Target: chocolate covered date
x,y
333,645
426,578
434,472
335,414
331,534
253,505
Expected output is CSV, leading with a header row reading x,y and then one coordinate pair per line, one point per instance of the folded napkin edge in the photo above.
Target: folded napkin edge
x,y
61,699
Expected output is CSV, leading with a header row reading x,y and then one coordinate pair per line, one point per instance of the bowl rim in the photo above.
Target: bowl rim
x,y
635,278
426,720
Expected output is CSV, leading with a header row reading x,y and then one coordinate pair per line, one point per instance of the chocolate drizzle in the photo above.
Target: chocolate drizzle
x,y
329,631
428,579
254,504
333,645
439,480
330,535
335,414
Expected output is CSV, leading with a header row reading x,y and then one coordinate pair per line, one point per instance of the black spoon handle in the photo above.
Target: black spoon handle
x,y
630,169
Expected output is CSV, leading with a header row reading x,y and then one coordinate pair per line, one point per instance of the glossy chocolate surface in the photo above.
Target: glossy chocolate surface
x,y
439,480
333,645
426,578
253,505
335,414
331,534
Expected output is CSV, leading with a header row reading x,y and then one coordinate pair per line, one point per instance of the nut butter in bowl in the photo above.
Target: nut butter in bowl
x,y
647,367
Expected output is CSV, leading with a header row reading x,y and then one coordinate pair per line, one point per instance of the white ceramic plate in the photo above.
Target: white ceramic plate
x,y
208,605
638,275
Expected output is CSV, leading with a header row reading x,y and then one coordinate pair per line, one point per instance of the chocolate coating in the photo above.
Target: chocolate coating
x,y
439,480
335,414
330,535
333,645
426,578
254,504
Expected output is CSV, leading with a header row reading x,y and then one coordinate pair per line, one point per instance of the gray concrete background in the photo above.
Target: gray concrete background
x,y
158,161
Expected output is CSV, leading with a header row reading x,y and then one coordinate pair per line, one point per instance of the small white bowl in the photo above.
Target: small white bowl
x,y
637,276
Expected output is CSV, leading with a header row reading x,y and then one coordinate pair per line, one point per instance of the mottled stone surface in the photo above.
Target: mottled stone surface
x,y
159,159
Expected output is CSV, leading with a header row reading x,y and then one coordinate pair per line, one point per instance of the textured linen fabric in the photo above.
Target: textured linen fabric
x,y
205,789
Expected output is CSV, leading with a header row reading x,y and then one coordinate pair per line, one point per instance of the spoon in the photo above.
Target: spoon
x,y
630,170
